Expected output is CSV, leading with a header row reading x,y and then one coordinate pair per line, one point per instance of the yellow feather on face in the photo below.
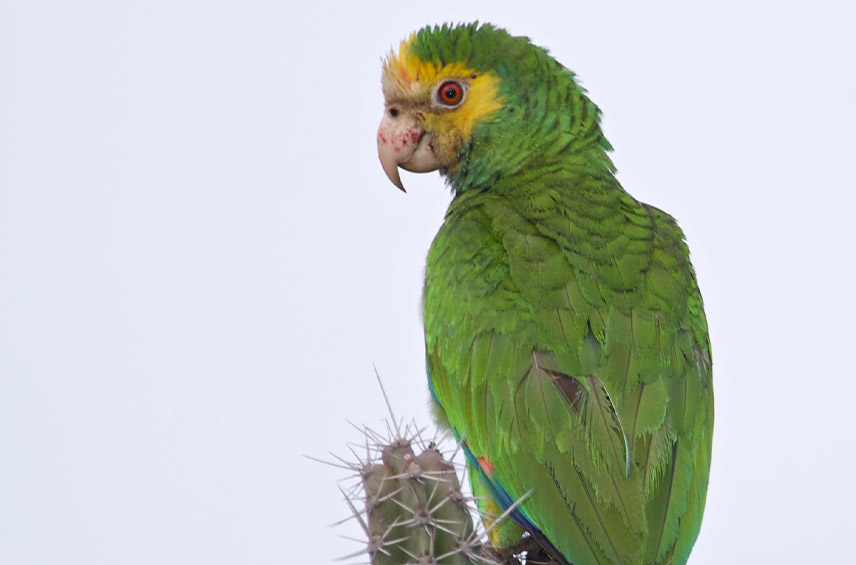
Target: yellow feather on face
x,y
410,81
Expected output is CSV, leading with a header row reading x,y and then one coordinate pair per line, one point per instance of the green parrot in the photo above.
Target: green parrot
x,y
565,335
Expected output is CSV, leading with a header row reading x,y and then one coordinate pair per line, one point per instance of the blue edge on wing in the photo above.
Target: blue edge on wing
x,y
499,494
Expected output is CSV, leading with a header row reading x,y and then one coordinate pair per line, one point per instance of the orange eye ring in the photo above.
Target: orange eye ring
x,y
450,93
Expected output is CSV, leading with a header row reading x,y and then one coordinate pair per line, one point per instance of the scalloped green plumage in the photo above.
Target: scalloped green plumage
x,y
564,330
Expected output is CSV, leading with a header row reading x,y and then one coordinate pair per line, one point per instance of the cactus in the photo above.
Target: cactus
x,y
416,511
413,510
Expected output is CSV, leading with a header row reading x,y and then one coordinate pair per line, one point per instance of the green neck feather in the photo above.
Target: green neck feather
x,y
547,122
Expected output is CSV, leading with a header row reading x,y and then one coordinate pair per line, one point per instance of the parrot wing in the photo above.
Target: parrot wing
x,y
585,366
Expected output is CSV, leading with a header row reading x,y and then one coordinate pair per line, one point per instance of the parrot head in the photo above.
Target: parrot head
x,y
478,104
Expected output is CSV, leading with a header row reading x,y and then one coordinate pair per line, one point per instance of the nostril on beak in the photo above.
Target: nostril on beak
x,y
393,112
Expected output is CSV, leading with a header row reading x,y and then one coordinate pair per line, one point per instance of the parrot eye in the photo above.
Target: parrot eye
x,y
450,93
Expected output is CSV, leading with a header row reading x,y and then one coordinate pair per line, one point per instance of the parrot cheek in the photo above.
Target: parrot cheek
x,y
402,142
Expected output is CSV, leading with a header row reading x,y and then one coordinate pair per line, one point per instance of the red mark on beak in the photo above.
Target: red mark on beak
x,y
400,140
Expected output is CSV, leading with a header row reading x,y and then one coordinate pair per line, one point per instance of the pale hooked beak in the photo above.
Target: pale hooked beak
x,y
402,142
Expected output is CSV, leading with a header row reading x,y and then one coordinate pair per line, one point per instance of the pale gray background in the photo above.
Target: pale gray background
x,y
201,259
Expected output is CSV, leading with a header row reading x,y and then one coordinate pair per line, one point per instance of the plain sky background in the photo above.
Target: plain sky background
x,y
201,260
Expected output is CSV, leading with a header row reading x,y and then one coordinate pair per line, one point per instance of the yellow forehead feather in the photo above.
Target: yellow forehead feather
x,y
409,68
